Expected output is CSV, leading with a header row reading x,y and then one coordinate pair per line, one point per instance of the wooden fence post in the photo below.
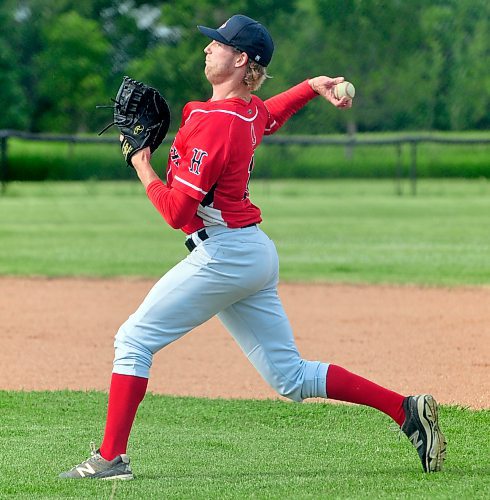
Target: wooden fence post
x,y
3,163
413,167
398,169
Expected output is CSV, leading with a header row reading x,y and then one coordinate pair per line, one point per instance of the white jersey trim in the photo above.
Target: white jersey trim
x,y
272,125
223,111
177,178
211,216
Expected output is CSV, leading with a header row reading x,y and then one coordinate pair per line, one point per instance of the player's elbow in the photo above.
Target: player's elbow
x,y
174,225
177,221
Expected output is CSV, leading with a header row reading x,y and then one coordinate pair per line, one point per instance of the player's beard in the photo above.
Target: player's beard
x,y
218,72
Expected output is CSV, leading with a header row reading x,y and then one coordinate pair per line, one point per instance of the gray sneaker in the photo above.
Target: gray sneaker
x,y
422,429
97,467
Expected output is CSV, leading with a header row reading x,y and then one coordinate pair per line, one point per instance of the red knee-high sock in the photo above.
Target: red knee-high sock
x,y
346,386
125,395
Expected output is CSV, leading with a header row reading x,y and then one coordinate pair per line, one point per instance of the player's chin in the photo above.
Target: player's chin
x,y
212,75
208,72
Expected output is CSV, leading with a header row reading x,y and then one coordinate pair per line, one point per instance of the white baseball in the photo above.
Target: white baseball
x,y
344,89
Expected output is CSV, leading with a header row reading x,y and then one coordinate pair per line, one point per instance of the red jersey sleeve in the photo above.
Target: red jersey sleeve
x,y
174,206
282,106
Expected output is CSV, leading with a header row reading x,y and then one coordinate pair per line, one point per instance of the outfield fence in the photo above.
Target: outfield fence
x,y
349,142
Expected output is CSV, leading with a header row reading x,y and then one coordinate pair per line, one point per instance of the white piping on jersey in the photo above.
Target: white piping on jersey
x,y
210,216
223,111
273,124
177,178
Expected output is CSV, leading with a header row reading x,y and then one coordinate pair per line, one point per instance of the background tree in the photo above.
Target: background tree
x,y
421,64
469,94
70,73
13,102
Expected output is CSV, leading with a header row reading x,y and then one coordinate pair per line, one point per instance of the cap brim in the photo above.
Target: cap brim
x,y
214,34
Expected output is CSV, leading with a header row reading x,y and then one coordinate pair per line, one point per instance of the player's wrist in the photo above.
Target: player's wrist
x,y
311,83
145,171
314,87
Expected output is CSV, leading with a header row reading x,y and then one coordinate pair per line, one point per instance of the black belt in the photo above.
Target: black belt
x,y
203,236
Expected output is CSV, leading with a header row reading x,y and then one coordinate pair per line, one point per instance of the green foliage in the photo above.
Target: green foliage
x,y
200,448
71,73
29,160
335,231
455,33
13,102
362,41
371,162
416,65
469,98
69,161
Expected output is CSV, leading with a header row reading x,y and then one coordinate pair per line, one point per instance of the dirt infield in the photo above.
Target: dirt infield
x,y
58,333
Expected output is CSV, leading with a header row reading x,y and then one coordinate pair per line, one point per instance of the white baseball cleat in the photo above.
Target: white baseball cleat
x,y
97,467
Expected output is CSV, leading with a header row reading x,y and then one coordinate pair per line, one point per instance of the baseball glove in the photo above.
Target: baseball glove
x,y
142,116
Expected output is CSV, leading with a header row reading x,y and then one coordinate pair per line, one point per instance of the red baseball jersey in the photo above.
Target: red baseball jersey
x,y
212,156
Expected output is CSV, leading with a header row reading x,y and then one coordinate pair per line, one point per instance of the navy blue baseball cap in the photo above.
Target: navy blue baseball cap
x,y
246,35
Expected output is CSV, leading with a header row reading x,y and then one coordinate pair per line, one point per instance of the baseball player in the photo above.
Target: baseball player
x,y
232,268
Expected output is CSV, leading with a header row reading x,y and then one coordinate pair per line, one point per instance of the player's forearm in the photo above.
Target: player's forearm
x,y
175,207
284,105
147,176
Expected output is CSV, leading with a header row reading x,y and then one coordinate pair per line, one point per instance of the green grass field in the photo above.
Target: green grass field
x,y
335,231
196,448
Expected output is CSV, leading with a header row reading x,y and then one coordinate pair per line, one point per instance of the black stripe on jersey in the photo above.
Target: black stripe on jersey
x,y
209,198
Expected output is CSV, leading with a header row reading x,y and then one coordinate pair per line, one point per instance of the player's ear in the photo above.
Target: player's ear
x,y
241,60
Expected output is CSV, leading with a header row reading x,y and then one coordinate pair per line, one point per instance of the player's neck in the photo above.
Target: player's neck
x,y
226,91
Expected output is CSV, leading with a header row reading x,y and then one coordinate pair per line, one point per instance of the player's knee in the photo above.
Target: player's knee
x,y
131,356
294,394
309,381
286,386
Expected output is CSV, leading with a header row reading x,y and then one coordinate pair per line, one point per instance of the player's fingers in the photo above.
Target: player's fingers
x,y
344,102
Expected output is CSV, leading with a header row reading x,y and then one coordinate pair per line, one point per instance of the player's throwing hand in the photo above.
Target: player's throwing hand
x,y
324,86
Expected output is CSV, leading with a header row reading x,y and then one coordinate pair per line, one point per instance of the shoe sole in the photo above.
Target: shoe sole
x,y
126,477
436,442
